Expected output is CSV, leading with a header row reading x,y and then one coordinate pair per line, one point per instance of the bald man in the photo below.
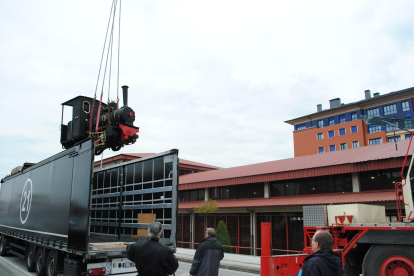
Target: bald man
x,y
208,256
323,262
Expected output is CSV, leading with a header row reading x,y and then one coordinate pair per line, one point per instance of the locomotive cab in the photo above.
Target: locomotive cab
x,y
109,126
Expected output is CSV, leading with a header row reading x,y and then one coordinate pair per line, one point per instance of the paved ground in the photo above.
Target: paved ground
x,y
184,268
13,266
231,265
238,262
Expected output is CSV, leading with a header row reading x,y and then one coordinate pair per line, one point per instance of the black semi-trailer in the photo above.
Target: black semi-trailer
x,y
66,219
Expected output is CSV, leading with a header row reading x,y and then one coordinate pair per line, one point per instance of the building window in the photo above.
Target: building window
x,y
390,109
343,146
331,121
332,148
341,132
405,106
237,191
394,138
373,129
373,112
408,124
354,117
391,127
302,126
312,185
375,141
407,136
355,144
342,119
380,179
320,123
320,136
354,129
321,150
331,134
191,195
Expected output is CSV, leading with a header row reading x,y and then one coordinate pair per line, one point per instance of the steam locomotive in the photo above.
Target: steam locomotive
x,y
109,126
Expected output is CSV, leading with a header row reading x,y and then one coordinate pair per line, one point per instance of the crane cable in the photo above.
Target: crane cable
x,y
110,49
99,72
106,66
119,49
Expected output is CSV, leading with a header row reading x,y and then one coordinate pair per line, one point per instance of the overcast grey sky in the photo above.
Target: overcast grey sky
x,y
215,79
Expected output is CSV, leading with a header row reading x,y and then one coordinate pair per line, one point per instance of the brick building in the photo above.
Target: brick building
x,y
276,191
341,127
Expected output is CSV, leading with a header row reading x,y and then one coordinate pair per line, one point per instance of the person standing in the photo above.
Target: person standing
x,y
323,262
208,255
151,257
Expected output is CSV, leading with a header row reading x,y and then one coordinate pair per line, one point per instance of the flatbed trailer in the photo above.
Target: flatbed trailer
x,y
65,218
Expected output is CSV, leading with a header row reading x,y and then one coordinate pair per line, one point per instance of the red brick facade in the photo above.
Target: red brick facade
x,y
306,140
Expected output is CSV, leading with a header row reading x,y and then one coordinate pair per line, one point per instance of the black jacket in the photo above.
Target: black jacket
x,y
152,258
207,258
322,263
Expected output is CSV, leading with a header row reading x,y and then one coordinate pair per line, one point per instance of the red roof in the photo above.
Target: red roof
x,y
367,158
323,199
183,162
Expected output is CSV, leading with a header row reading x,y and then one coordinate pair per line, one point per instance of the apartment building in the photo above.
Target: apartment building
x,y
341,126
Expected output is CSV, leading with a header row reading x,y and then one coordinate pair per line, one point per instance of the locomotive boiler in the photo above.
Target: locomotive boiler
x,y
109,126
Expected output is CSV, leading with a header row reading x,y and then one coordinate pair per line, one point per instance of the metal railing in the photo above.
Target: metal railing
x,y
238,248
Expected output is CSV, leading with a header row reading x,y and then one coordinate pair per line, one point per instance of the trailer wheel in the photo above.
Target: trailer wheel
x,y
31,258
40,267
3,250
52,264
387,260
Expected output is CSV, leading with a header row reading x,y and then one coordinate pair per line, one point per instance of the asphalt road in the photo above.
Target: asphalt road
x,y
14,266
184,268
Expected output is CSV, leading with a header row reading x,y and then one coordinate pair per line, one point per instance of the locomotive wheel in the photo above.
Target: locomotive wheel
x,y
40,267
116,148
52,264
31,259
384,260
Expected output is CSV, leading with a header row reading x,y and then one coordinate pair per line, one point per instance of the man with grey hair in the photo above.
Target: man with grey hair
x,y
151,257
323,262
208,255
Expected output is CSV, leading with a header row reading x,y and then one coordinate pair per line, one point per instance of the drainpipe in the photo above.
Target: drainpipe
x,y
192,225
252,231
310,118
363,122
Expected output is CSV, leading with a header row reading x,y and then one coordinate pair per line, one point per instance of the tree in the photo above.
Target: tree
x,y
223,236
207,207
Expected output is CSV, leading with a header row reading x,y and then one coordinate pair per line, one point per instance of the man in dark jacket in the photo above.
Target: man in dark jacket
x,y
323,262
208,256
152,258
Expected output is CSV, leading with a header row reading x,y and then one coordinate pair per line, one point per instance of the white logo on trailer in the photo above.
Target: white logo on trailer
x,y
26,201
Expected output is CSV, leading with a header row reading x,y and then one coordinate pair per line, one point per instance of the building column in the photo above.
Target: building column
x,y
206,194
266,190
192,228
253,230
356,182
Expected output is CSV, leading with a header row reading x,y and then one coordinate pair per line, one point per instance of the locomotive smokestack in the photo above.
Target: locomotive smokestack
x,y
125,94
